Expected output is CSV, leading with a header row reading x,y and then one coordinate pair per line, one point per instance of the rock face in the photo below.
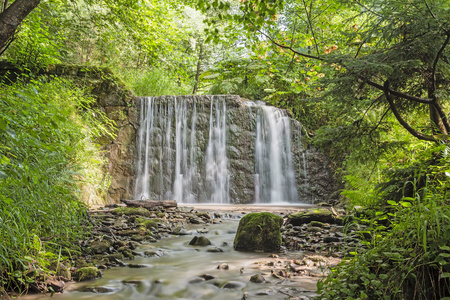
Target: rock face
x,y
259,232
225,149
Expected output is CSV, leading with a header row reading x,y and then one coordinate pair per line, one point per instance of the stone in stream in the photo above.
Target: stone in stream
x,y
87,273
233,285
214,250
257,278
223,266
200,241
259,232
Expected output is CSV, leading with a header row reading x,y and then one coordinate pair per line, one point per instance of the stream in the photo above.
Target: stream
x,y
180,271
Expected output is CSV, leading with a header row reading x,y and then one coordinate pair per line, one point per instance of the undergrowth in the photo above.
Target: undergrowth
x,y
44,152
408,252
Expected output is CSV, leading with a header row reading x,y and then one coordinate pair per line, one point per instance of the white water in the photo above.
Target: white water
x,y
216,154
177,160
274,173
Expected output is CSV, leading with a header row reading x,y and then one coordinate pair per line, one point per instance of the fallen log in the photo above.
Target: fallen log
x,y
149,204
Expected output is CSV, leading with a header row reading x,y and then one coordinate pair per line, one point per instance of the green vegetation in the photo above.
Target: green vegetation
x,y
47,133
369,79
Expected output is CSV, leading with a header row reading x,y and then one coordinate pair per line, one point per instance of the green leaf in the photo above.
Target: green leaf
x,y
445,275
405,204
391,202
3,124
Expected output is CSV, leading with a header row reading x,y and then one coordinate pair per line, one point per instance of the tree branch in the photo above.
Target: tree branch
x,y
415,133
398,94
436,60
308,17
288,47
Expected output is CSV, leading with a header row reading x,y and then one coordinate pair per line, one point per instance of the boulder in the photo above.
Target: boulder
x,y
323,215
200,241
99,247
259,232
87,273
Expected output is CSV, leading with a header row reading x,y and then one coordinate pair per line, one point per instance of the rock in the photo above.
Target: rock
x,y
314,229
97,289
204,215
316,224
200,241
207,277
137,238
57,286
136,266
185,209
214,250
317,214
330,239
259,232
113,256
154,253
87,273
99,247
179,230
196,220
223,266
233,285
257,278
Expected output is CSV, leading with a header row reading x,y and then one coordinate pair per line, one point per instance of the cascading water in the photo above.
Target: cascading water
x,y
274,173
216,154
216,151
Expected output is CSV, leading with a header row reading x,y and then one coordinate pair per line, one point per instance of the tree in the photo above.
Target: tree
x,y
385,53
11,17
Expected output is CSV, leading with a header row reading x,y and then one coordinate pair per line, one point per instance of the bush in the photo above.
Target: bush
x,y
410,260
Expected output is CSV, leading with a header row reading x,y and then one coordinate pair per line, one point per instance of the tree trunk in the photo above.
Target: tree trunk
x,y
11,18
149,204
199,64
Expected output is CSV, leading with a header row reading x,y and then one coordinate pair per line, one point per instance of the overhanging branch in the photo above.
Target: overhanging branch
x,y
415,133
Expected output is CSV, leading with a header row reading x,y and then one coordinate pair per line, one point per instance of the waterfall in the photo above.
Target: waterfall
x,y
216,154
213,150
274,171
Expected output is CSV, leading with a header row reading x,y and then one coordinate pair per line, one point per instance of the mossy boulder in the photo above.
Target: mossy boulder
x,y
313,215
99,247
259,232
87,273
200,241
151,223
132,211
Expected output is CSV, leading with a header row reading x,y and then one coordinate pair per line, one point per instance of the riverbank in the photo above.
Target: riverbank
x,y
126,238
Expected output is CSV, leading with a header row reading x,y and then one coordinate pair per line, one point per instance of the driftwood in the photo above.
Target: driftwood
x,y
149,204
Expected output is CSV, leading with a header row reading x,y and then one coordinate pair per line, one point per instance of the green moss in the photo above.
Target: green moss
x,y
151,223
88,273
259,232
132,211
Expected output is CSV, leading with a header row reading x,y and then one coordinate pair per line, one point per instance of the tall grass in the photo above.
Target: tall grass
x,y
43,155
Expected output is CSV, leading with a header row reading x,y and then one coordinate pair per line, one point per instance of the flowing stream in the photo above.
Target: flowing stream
x,y
175,275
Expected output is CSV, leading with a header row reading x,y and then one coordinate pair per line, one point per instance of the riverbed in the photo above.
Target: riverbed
x,y
172,269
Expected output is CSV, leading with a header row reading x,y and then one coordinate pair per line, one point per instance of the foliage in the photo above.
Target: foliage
x,y
153,82
409,259
44,134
